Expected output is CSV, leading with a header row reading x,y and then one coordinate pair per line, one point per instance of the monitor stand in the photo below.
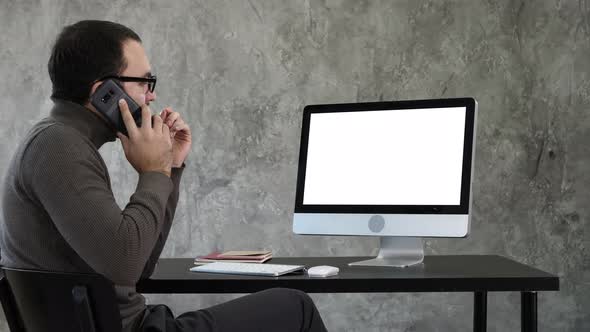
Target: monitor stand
x,y
396,251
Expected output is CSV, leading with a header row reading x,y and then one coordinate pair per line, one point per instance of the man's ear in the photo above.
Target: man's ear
x,y
94,87
92,91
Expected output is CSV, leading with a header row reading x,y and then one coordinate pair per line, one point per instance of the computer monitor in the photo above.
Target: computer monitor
x,y
398,170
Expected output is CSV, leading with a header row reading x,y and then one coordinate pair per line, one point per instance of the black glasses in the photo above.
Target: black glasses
x,y
150,80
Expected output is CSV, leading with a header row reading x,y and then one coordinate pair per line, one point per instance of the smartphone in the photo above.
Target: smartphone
x,y
106,100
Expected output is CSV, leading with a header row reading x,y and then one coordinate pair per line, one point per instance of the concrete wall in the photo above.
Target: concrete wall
x,y
241,71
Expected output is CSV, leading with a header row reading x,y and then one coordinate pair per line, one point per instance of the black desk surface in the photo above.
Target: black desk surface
x,y
461,273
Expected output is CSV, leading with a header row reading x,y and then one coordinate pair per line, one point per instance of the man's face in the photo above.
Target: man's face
x,y
138,65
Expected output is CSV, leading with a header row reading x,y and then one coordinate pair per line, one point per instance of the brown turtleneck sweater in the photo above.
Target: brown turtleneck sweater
x,y
59,212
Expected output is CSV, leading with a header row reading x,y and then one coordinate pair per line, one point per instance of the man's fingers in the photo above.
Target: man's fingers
x,y
165,114
165,130
127,117
157,124
172,117
181,127
146,116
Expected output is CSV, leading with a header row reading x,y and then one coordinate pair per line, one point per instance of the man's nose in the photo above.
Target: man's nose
x,y
150,96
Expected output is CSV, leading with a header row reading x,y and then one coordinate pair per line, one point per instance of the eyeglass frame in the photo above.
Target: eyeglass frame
x,y
150,80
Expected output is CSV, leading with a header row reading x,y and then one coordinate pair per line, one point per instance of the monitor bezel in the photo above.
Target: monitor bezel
x,y
462,208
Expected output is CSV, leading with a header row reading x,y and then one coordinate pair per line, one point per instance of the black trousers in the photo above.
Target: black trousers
x,y
276,309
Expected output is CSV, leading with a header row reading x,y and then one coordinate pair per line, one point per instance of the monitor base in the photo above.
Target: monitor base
x,y
396,252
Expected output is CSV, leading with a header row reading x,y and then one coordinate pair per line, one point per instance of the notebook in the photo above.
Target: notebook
x,y
245,256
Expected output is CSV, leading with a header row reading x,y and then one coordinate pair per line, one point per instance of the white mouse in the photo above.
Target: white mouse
x,y
322,271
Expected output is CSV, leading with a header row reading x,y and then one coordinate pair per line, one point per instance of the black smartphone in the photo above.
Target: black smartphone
x,y
106,100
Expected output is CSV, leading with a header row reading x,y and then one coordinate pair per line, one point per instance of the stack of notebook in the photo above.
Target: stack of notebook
x,y
250,256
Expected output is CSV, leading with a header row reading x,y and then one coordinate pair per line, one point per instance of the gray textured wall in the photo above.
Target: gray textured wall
x,y
241,72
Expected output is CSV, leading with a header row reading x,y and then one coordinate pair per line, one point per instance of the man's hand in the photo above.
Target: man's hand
x,y
148,148
180,134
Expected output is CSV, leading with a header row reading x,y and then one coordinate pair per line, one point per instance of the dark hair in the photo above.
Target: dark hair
x,y
83,53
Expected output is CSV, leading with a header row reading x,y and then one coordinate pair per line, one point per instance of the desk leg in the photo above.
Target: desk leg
x,y
480,303
528,313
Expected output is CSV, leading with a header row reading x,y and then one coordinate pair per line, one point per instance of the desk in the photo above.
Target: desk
x,y
479,274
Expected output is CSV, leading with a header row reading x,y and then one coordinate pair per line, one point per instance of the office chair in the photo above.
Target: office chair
x,y
42,301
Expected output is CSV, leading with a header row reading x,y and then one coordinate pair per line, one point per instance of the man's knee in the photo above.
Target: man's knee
x,y
289,294
309,319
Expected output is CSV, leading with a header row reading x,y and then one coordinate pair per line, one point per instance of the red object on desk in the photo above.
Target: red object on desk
x,y
235,256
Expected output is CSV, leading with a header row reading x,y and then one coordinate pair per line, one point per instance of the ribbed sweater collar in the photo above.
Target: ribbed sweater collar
x,y
84,120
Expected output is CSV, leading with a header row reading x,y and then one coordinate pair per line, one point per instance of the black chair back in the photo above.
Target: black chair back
x,y
42,301
9,307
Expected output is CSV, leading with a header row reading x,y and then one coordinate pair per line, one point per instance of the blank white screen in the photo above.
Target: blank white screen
x,y
396,157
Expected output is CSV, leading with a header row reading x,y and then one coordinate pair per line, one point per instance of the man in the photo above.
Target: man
x,y
59,210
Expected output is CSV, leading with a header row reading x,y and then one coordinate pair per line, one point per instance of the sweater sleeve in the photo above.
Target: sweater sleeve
x,y
168,217
70,181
